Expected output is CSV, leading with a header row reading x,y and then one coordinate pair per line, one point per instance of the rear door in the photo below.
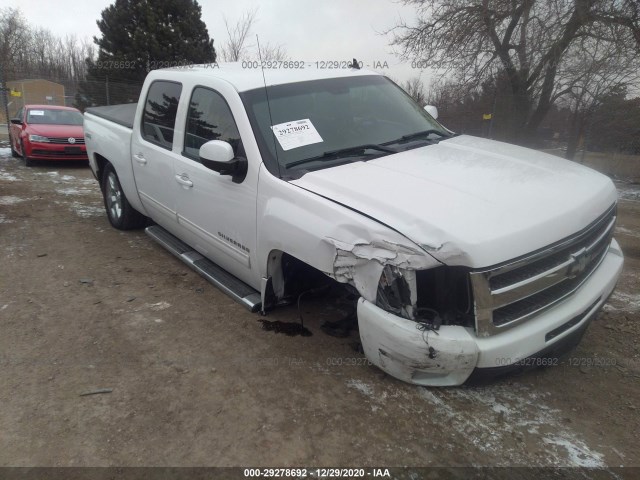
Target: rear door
x,y
218,215
152,150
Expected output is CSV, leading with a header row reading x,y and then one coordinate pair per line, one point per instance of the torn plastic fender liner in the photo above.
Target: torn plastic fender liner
x,y
361,264
398,347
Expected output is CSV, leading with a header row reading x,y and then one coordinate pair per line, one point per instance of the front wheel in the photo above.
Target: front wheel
x,y
120,212
27,161
14,153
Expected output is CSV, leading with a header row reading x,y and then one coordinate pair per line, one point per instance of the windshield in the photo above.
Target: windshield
x,y
323,123
51,116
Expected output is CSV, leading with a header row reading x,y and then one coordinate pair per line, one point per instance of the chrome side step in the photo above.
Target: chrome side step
x,y
236,289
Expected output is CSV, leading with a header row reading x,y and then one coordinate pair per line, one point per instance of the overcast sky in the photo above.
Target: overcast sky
x,y
308,30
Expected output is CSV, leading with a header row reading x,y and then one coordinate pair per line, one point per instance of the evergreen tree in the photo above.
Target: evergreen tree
x,y
138,36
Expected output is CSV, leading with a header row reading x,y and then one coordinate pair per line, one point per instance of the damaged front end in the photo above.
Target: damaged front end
x,y
416,315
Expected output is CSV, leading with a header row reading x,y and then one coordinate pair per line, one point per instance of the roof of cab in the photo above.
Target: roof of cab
x,y
248,75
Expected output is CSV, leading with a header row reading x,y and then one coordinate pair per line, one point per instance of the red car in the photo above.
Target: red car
x,y
48,132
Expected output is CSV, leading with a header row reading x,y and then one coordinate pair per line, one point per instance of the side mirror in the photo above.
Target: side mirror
x,y
431,110
16,121
218,156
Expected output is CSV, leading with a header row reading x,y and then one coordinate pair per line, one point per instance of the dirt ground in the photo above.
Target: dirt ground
x,y
196,381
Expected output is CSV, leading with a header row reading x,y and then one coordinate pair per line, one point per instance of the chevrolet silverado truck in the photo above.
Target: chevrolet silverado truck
x,y
470,257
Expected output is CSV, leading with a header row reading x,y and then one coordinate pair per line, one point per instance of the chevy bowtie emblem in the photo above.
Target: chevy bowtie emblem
x,y
71,140
580,260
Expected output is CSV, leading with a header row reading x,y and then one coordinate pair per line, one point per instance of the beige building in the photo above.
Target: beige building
x,y
36,91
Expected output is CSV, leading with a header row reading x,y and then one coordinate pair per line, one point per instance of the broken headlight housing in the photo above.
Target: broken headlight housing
x,y
395,292
440,295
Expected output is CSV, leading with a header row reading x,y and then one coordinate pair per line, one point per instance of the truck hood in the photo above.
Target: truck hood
x,y
470,201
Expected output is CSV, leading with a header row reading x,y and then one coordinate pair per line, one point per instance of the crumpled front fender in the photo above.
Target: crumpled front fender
x,y
361,264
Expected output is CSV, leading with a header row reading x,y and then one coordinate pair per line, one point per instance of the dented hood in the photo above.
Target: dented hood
x,y
470,201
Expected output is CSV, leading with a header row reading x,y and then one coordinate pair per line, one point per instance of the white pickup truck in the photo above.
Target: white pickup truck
x,y
470,257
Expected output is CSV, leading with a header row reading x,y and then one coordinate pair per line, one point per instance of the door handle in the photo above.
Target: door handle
x,y
184,180
140,158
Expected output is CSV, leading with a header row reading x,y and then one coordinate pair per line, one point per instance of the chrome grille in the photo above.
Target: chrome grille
x,y
65,140
512,293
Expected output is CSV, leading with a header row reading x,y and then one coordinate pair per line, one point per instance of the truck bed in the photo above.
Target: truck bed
x,y
122,114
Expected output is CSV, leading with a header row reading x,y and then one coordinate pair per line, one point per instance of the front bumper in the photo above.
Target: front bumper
x,y
396,346
46,151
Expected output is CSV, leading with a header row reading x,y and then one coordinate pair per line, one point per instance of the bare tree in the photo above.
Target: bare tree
x,y
35,51
415,87
529,40
272,53
235,47
593,71
13,36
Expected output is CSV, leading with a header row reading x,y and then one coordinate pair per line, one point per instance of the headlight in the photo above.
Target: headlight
x,y
38,138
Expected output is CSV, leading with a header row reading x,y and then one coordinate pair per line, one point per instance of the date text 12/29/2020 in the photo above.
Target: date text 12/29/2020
x,y
316,472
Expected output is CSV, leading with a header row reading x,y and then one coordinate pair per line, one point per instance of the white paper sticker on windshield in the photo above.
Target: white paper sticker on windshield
x,y
36,112
296,134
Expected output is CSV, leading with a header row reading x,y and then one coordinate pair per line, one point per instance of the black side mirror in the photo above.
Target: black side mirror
x,y
16,121
218,156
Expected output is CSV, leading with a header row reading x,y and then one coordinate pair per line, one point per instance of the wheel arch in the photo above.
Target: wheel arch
x,y
101,163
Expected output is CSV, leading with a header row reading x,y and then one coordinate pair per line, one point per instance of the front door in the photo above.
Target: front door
x,y
218,214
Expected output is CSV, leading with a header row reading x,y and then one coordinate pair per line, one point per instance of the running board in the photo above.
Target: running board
x,y
236,289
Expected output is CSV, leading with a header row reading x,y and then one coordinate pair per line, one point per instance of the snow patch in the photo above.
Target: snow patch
x,y
626,231
156,307
86,211
11,200
8,177
628,302
577,455
362,387
629,192
5,152
493,418
74,191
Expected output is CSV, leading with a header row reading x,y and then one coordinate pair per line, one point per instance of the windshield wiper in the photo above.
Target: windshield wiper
x,y
424,133
343,152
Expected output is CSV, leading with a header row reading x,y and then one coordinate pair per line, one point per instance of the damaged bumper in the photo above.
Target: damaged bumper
x,y
454,353
396,346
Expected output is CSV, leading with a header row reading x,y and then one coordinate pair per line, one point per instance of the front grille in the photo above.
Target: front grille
x,y
510,294
63,153
65,140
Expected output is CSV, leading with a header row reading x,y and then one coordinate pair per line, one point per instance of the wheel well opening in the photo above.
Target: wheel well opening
x,y
296,283
101,163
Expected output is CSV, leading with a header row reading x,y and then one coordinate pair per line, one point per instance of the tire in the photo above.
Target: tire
x,y
119,211
27,161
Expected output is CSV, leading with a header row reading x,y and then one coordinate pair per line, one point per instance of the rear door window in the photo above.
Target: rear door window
x,y
159,117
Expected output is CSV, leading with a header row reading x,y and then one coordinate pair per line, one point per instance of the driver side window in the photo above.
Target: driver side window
x,y
209,118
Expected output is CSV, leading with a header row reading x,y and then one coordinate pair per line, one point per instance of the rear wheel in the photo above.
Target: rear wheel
x,y
120,212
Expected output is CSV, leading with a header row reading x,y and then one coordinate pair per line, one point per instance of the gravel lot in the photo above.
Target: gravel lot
x,y
195,380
